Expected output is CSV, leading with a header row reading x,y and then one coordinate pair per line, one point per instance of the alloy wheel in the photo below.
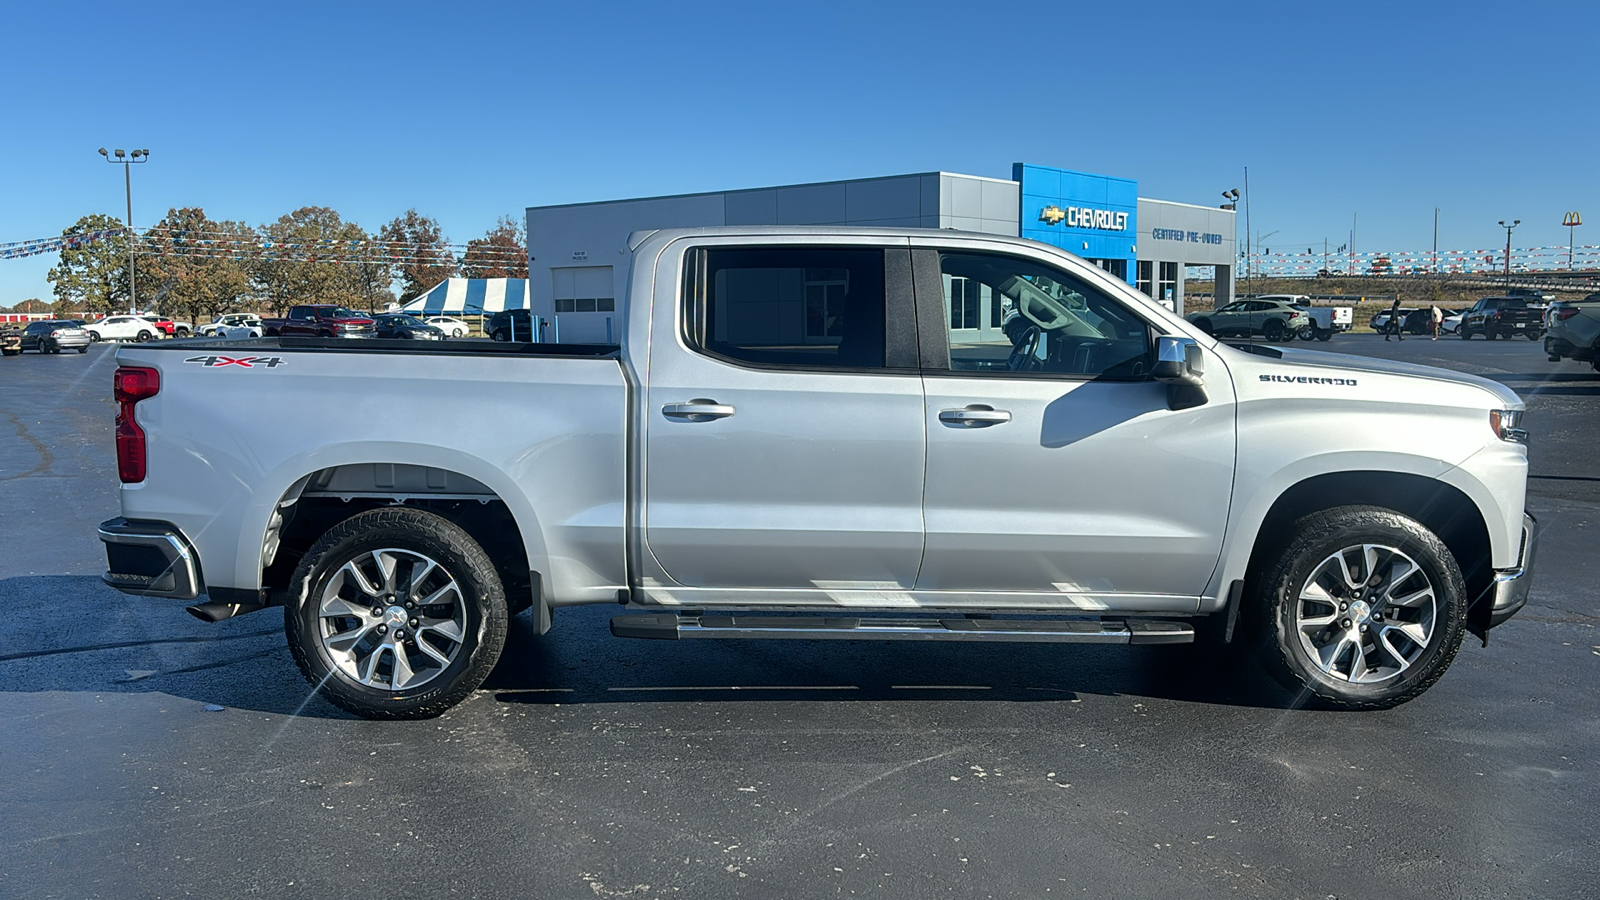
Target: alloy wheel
x,y
1366,613
392,619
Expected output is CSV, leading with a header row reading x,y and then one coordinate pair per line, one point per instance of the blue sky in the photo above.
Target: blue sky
x,y
472,111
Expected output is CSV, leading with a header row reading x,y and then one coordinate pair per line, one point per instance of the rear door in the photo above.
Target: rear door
x,y
783,426
1057,473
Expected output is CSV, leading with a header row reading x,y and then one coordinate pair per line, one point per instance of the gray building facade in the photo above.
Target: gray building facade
x,y
577,253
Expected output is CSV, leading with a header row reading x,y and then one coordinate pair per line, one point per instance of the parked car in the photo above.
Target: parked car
x,y
452,327
716,475
320,320
1574,330
1273,318
231,320
1412,321
1451,323
54,337
122,328
1502,317
10,340
405,327
512,325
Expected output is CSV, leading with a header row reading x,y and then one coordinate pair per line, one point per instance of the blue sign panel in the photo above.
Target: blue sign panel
x,y
1092,216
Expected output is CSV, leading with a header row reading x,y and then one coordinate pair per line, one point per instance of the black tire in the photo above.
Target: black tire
x,y
84,349
182,332
1288,590
502,335
1490,334
480,605
143,336
1307,333
1465,332
1274,330
1323,334
1533,335
94,337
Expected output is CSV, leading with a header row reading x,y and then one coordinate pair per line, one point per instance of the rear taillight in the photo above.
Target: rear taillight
x,y
130,385
1564,314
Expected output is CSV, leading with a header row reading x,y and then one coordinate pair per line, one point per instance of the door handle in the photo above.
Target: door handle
x,y
697,410
976,415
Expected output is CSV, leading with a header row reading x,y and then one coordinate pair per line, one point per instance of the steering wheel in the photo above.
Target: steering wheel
x,y
1024,353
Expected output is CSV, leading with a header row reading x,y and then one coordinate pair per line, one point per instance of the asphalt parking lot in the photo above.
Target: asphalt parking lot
x,y
145,754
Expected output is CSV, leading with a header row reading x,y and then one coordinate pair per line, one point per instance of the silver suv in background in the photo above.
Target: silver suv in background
x,y
1275,318
1573,330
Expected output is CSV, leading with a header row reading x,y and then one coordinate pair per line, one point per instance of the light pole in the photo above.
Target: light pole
x,y
1514,223
1572,220
138,156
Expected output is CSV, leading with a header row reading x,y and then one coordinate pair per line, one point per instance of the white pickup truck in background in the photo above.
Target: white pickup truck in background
x,y
1326,321
797,438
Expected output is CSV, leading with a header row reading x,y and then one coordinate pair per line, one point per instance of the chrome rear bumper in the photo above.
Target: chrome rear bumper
x,y
149,559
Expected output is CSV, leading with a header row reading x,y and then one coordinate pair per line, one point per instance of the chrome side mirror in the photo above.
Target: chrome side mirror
x,y
1181,366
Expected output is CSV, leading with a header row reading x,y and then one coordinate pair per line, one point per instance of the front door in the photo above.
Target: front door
x,y
783,425
1056,471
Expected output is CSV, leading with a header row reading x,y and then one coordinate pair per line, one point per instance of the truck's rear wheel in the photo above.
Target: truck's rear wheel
x,y
1307,333
1324,334
1364,610
397,614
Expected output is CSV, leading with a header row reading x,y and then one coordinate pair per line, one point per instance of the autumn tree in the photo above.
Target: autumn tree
x,y
313,256
502,253
421,255
31,305
194,267
93,274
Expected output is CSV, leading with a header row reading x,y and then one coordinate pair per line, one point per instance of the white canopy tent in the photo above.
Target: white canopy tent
x,y
471,296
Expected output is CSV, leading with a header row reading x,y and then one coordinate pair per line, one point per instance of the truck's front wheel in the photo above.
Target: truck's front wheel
x,y
396,614
1365,609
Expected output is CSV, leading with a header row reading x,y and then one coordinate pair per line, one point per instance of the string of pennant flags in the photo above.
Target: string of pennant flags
x,y
1524,259
19,249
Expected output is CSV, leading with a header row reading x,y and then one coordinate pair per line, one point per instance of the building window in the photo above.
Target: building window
x,y
587,304
961,301
1169,284
1146,278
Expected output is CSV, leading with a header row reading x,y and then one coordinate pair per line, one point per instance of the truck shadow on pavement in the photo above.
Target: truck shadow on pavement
x,y
73,634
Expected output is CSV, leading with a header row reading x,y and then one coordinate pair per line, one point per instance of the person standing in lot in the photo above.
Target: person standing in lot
x,y
1436,316
1394,321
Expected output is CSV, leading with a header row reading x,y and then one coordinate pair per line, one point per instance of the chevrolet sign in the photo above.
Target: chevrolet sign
x,y
1080,217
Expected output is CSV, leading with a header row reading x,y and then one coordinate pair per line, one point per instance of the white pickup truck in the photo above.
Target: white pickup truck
x,y
825,433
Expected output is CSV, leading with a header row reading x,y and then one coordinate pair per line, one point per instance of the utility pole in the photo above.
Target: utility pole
x,y
1436,240
1249,254
1514,223
138,156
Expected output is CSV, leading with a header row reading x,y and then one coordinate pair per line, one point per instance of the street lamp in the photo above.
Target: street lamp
x,y
1232,198
139,156
1514,223
1572,220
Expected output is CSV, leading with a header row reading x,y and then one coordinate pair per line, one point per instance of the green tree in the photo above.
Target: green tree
x,y
194,266
422,255
313,256
31,305
502,253
93,275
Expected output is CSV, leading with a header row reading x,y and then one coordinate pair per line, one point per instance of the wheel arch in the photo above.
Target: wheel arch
x,y
1442,508
321,499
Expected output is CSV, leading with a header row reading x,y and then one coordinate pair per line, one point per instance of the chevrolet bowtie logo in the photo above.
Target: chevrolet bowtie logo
x,y
1052,214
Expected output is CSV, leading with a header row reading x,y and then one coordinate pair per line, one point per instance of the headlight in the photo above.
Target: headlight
x,y
1505,425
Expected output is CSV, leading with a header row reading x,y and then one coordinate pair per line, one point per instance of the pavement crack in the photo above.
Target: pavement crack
x,y
121,645
46,459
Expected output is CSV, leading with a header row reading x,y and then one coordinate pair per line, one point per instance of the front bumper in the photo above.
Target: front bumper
x,y
149,559
1511,585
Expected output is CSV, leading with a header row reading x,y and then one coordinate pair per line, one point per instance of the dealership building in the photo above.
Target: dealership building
x,y
577,253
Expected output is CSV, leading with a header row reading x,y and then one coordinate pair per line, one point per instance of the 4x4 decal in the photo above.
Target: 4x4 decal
x,y
244,362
